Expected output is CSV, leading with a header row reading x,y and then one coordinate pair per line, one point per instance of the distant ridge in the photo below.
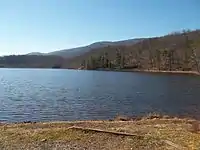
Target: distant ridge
x,y
73,52
35,53
177,51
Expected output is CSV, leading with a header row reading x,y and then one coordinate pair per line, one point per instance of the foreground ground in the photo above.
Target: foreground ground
x,y
99,135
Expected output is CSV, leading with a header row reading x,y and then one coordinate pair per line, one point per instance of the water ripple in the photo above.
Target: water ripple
x,y
45,95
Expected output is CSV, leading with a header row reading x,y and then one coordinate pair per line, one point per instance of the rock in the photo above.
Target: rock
x,y
166,117
43,140
122,118
28,122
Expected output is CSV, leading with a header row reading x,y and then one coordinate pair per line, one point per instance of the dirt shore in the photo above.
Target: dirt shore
x,y
174,72
148,71
153,134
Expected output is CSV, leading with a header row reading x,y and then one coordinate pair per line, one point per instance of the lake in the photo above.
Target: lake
x,y
56,95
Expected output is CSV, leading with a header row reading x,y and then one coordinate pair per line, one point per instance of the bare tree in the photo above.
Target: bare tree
x,y
195,59
158,59
150,54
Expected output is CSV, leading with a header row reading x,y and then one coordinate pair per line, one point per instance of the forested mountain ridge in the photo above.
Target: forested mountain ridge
x,y
176,51
31,61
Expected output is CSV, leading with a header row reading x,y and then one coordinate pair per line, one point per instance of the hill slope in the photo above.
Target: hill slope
x,y
73,52
179,51
173,52
35,53
31,61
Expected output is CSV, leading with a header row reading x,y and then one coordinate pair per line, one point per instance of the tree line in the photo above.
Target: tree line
x,y
169,59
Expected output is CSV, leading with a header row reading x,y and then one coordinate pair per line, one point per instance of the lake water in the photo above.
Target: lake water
x,y
49,95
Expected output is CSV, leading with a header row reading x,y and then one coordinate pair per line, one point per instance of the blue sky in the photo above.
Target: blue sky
x,y
49,25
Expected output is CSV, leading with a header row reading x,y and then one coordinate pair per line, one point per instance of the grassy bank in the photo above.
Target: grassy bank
x,y
153,133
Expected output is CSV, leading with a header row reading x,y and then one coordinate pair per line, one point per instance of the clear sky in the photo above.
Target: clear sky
x,y
49,25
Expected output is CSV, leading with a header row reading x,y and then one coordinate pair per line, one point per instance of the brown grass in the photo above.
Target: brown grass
x,y
155,133
195,127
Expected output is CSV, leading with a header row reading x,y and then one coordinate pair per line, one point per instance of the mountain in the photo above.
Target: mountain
x,y
73,52
31,61
179,51
35,53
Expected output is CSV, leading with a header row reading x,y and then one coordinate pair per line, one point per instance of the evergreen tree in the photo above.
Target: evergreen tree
x,y
194,58
186,51
118,58
122,63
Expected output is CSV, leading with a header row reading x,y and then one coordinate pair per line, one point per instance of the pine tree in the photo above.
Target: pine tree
x,y
106,60
122,64
88,64
186,57
150,54
83,64
118,58
92,63
170,60
195,59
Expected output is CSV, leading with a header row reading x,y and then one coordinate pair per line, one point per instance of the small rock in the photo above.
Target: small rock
x,y
27,122
43,140
166,117
121,118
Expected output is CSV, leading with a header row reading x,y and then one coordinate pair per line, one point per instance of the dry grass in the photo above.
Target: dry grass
x,y
195,126
149,134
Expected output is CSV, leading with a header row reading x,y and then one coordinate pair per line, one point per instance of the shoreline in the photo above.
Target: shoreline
x,y
170,72
148,116
151,71
119,118
118,70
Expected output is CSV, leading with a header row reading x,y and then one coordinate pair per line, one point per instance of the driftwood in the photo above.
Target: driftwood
x,y
104,131
170,143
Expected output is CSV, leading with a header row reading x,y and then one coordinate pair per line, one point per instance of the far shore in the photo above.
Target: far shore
x,y
173,72
120,70
148,71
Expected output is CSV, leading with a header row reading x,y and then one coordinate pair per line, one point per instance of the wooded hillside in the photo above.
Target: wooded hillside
x,y
175,51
